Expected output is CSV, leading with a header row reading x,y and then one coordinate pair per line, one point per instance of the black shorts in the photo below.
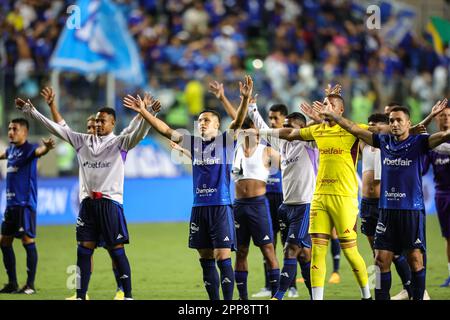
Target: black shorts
x,y
294,224
102,221
369,214
212,227
275,201
400,230
252,220
19,221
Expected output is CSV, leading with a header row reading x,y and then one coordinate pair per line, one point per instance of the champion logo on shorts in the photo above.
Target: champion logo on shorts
x,y
418,241
119,237
226,239
21,229
266,237
284,274
207,283
347,231
292,236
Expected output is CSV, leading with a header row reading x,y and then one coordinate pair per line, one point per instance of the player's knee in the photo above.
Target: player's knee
x,y
242,253
347,244
304,256
222,254
88,244
27,240
381,261
6,241
206,253
291,251
320,236
415,261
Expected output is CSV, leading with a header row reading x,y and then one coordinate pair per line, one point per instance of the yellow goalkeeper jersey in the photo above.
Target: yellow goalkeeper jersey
x,y
338,154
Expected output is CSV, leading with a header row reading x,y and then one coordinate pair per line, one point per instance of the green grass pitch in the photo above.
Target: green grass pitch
x,y
164,268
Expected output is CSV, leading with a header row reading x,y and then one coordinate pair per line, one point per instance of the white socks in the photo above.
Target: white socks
x,y
365,292
317,293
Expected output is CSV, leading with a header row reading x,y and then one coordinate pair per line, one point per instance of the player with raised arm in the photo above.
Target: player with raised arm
x,y
335,277
49,95
250,171
439,158
335,201
298,159
101,220
212,230
401,225
19,220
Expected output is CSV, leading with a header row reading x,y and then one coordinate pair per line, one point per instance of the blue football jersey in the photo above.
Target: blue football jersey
x,y
21,177
211,166
402,168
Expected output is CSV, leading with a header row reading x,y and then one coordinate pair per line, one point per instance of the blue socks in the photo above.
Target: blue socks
x,y
84,267
226,278
210,278
124,269
385,280
116,273
32,259
336,252
418,284
241,284
288,274
305,267
274,279
404,271
9,260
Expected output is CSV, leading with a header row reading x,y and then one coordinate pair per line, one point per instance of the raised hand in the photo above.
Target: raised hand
x,y
438,107
246,88
49,95
136,104
156,106
21,103
175,146
216,89
310,112
419,129
49,143
148,99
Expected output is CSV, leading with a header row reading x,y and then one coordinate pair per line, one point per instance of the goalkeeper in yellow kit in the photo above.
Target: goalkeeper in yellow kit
x,y
335,201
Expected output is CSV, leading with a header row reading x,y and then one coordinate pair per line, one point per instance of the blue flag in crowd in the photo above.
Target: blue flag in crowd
x,y
99,44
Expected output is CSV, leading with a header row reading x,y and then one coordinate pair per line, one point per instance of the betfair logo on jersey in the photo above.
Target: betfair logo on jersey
x,y
331,151
97,164
207,161
328,181
399,162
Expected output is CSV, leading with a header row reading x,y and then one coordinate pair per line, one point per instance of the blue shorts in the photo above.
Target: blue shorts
x,y
400,230
369,214
252,220
275,201
294,224
212,227
19,221
102,221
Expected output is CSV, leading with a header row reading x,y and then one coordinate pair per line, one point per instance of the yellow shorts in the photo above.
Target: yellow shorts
x,y
338,211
